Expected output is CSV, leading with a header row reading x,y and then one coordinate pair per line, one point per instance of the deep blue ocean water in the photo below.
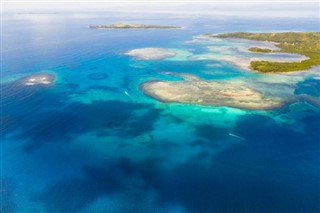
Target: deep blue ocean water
x,y
83,145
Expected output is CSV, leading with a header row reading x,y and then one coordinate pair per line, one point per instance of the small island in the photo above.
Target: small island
x,y
132,26
303,43
259,50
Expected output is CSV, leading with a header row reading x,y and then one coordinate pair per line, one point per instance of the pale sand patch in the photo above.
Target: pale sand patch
x,y
181,55
235,51
192,90
201,39
151,53
238,61
243,61
205,39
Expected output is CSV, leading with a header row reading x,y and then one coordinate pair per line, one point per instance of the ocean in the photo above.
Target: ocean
x,y
92,141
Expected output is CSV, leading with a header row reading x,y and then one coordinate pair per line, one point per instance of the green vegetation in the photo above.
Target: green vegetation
x,y
260,50
304,43
132,26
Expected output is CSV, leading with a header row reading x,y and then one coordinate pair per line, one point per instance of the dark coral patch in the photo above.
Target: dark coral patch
x,y
119,118
212,133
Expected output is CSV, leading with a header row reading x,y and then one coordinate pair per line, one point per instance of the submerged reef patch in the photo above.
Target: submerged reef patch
x,y
24,87
104,118
97,76
309,86
36,79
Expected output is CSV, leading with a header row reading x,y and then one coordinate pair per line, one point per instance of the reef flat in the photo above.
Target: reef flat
x,y
132,26
304,43
193,90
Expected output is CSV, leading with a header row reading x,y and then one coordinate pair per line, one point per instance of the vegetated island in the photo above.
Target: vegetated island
x,y
132,26
304,43
260,50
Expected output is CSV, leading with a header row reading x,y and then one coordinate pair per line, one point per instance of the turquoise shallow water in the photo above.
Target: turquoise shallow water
x,y
93,142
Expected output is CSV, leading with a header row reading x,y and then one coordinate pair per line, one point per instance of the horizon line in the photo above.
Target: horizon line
x,y
165,1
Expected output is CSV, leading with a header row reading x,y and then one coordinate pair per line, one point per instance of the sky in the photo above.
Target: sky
x,y
270,8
